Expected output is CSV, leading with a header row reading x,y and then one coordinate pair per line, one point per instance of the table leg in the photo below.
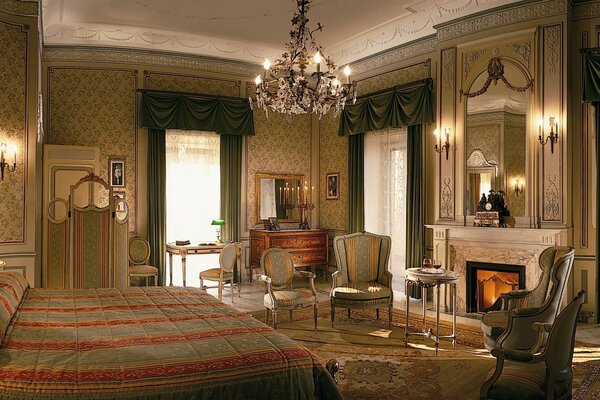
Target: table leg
x,y
239,267
437,320
453,288
170,269
183,268
424,299
406,286
250,271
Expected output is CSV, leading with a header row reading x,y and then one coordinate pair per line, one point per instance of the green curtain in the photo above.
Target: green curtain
x,y
405,105
591,75
196,112
415,205
356,183
231,185
157,190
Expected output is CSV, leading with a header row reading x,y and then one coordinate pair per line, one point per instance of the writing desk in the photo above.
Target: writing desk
x,y
191,249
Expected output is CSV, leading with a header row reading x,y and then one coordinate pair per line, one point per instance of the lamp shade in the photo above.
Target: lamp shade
x,y
219,222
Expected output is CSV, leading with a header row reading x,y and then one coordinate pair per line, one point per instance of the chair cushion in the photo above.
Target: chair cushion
x,y
213,274
494,323
290,298
361,291
524,381
143,269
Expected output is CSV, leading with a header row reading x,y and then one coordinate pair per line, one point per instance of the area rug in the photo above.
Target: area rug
x,y
375,365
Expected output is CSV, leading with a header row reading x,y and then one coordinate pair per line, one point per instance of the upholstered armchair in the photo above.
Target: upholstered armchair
x,y
511,327
543,371
362,279
281,294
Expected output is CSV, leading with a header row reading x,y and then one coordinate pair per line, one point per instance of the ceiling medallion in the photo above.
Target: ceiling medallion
x,y
288,87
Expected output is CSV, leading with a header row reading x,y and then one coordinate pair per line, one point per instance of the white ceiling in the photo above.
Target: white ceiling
x,y
247,30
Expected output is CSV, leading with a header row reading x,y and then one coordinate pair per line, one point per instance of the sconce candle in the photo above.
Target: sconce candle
x,y
4,165
518,188
553,134
438,146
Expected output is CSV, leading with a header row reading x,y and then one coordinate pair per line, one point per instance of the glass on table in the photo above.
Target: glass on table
x,y
427,263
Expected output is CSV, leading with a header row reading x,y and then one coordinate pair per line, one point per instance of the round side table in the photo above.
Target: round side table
x,y
426,278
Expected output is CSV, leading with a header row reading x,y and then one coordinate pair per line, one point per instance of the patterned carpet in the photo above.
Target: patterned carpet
x,y
374,367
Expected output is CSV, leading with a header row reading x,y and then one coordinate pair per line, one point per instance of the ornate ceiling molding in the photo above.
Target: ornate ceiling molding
x,y
495,18
400,54
20,7
586,10
149,58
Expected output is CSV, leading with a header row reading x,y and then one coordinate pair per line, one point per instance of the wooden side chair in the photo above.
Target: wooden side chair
x,y
281,295
224,273
139,253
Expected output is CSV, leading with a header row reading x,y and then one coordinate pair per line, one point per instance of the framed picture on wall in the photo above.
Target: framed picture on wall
x,y
116,172
120,205
332,183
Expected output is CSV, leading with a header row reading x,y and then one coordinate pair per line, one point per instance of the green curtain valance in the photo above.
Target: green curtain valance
x,y
405,105
191,112
591,77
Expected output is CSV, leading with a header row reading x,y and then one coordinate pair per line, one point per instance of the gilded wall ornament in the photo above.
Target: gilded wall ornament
x,y
496,73
446,201
552,201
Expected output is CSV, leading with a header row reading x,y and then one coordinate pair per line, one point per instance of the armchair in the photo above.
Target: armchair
x,y
541,372
280,294
362,279
510,327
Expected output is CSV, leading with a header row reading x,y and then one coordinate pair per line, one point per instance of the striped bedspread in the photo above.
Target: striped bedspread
x,y
150,343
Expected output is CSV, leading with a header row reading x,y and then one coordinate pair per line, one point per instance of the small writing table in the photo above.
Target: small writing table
x,y
191,249
434,278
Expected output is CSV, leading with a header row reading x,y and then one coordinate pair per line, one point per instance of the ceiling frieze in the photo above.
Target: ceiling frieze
x,y
399,54
586,10
140,57
20,7
497,18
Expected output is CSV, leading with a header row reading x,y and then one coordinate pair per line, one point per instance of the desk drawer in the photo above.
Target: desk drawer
x,y
309,258
294,242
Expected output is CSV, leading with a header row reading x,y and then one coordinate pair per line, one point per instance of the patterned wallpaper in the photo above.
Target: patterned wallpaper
x,y
13,43
397,77
333,158
191,84
485,138
96,107
280,146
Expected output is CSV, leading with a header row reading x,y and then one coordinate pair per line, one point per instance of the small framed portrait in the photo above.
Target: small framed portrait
x,y
274,224
119,205
116,171
332,182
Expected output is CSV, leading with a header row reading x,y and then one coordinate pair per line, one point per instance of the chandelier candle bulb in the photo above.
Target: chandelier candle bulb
x,y
347,73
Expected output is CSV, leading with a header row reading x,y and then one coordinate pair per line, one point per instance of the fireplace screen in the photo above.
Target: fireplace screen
x,y
486,281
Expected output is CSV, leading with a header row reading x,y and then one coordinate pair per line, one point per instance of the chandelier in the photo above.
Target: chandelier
x,y
288,87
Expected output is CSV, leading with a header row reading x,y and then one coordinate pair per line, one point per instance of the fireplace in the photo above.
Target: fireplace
x,y
486,281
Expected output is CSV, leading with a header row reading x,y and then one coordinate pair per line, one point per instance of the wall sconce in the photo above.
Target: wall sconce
x,y
518,188
438,146
553,137
5,165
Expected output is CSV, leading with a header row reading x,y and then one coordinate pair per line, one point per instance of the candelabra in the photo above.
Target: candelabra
x,y
305,208
439,148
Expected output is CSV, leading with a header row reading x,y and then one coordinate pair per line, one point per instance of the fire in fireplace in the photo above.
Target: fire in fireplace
x,y
486,281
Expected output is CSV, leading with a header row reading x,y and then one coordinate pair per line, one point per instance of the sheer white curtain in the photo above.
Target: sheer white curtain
x,y
193,196
385,193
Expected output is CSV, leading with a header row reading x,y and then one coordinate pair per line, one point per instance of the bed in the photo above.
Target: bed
x,y
145,343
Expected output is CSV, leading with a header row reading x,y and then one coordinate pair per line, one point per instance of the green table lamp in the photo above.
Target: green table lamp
x,y
218,223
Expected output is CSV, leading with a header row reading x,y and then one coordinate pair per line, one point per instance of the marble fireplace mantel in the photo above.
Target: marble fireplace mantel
x,y
454,245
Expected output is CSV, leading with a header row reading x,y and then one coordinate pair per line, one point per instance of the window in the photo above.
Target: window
x,y
193,195
385,193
